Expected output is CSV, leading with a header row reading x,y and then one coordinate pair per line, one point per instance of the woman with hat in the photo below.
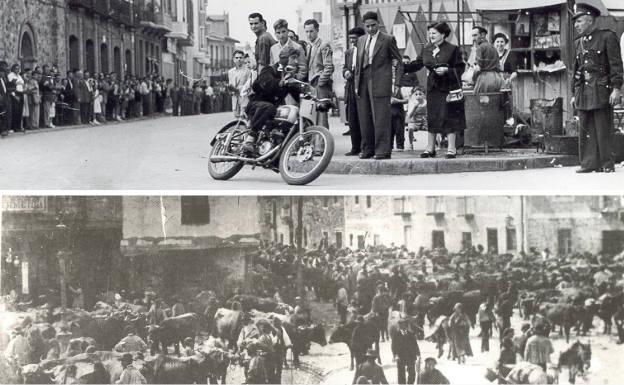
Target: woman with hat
x,y
445,107
459,328
370,370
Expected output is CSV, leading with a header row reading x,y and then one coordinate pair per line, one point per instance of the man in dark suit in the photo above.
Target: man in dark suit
x,y
83,96
348,72
595,89
5,102
377,74
405,351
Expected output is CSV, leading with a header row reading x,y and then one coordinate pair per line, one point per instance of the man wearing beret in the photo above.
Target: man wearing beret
x,y
595,89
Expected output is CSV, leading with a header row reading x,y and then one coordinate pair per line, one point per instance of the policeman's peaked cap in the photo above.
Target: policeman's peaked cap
x,y
581,9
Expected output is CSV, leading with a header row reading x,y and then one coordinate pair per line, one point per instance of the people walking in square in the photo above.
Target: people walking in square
x,y
405,351
376,79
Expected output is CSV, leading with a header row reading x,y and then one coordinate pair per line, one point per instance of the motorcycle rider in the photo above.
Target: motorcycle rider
x,y
269,91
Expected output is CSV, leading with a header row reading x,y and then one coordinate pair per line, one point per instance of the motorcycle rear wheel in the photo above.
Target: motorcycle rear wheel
x,y
299,163
226,173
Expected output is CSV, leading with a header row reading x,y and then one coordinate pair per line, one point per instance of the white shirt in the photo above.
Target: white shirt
x,y
371,47
19,84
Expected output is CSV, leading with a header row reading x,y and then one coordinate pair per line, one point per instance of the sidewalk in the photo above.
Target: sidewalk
x,y
409,162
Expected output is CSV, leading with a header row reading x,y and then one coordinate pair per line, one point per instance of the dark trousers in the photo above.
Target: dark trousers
x,y
374,114
410,368
17,110
175,102
342,312
352,117
620,331
322,92
595,138
486,331
398,125
85,113
259,114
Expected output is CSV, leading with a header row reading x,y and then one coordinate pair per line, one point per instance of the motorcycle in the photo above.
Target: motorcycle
x,y
290,144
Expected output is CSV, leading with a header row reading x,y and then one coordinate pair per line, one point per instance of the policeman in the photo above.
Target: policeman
x,y
595,89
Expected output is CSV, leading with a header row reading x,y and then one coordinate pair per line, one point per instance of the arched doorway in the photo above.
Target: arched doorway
x,y
74,53
90,56
27,53
117,61
129,70
104,65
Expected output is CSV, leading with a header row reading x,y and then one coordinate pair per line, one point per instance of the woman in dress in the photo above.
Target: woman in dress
x,y
446,66
459,328
504,57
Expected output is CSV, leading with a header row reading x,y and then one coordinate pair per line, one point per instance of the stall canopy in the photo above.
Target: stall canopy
x,y
605,6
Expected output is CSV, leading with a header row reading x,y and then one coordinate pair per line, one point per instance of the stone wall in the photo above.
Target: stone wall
x,y
45,23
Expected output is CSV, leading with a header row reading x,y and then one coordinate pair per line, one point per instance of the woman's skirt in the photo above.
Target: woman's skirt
x,y
442,117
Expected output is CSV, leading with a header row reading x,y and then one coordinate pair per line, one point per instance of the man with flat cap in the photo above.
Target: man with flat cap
x,y
405,351
595,89
369,370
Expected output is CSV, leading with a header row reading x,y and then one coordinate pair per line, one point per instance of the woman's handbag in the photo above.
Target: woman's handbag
x,y
455,96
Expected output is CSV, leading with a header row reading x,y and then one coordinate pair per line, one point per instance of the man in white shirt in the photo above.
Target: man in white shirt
x,y
238,77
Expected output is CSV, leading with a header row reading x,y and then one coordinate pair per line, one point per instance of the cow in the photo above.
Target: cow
x,y
444,305
562,314
344,333
227,324
176,370
217,363
250,302
303,335
607,305
172,331
107,331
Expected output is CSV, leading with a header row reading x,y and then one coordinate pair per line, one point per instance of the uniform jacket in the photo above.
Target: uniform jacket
x,y
386,65
405,346
373,372
597,69
450,55
320,62
302,61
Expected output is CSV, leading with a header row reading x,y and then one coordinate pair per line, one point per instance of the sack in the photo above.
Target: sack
x,y
455,96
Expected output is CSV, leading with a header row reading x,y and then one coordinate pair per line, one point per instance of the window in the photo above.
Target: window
x,y
361,242
281,238
339,239
512,243
325,240
564,241
466,240
318,16
350,240
357,200
195,210
492,240
305,236
369,202
435,206
437,239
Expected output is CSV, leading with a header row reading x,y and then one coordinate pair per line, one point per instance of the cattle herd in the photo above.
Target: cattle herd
x,y
566,294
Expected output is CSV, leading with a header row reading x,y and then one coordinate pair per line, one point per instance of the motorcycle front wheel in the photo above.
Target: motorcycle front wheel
x,y
227,170
306,156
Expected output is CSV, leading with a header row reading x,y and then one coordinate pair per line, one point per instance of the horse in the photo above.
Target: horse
x,y
577,358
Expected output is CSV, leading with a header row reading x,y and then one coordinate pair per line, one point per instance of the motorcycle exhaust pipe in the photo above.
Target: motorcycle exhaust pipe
x,y
233,158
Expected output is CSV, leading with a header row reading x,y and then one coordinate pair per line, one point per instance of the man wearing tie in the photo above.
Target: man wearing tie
x,y
377,72
320,66
350,98
405,351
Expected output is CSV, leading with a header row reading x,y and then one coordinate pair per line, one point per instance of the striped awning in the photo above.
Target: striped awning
x,y
507,5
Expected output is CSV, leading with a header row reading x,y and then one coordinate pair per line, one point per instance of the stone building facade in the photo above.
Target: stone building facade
x,y
322,219
38,232
180,244
33,32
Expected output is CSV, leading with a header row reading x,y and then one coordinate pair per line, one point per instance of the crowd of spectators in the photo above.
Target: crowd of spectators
x,y
43,97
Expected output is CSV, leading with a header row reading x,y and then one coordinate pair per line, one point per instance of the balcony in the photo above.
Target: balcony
x,y
153,18
122,12
402,206
181,33
435,206
466,207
